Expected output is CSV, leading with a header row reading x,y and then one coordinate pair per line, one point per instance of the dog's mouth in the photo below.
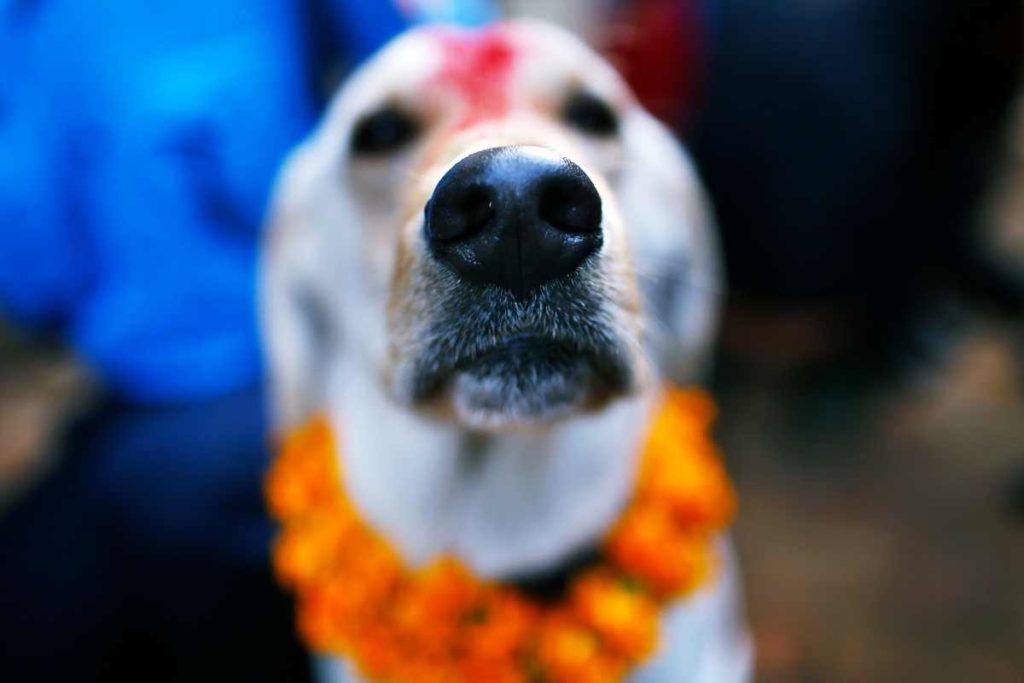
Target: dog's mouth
x,y
526,378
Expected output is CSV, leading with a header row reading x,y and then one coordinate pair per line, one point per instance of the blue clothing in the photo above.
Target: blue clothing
x,y
138,145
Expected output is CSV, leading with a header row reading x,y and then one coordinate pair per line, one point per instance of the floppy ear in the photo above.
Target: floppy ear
x,y
675,250
292,314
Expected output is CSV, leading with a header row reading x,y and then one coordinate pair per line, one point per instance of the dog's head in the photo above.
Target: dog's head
x,y
501,231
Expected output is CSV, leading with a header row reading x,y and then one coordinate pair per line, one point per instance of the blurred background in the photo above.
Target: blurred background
x,y
866,162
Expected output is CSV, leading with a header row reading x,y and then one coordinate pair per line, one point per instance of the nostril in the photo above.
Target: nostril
x,y
570,202
459,214
477,209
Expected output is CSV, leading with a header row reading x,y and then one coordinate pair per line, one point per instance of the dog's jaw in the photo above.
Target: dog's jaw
x,y
487,360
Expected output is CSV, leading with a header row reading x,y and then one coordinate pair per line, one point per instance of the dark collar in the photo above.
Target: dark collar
x,y
550,585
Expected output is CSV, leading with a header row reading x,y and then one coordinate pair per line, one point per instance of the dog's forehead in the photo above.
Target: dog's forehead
x,y
489,70
476,68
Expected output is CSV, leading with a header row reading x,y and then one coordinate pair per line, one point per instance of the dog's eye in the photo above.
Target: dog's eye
x,y
590,114
385,130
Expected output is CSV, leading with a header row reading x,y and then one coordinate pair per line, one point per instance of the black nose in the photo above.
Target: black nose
x,y
515,217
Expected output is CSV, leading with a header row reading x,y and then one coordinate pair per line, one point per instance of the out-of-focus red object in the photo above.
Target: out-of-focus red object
x,y
658,46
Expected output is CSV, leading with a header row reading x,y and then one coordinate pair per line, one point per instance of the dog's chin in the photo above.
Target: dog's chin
x,y
525,383
510,392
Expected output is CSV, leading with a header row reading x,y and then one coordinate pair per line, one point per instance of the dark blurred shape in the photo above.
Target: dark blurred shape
x,y
846,144
1002,214
876,518
1015,494
146,555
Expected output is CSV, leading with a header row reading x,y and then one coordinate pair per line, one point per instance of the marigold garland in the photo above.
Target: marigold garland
x,y
402,624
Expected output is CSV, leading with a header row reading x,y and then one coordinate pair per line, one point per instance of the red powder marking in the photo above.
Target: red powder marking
x,y
477,68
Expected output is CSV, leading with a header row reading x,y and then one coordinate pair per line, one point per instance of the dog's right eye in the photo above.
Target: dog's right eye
x,y
385,130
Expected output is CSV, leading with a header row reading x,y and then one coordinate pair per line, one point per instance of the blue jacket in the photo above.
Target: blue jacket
x,y
138,144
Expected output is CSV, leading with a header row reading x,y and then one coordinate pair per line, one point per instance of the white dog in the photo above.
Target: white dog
x,y
481,268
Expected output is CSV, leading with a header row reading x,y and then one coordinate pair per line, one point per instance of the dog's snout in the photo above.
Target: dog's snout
x,y
515,217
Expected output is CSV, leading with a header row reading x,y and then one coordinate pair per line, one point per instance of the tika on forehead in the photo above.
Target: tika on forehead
x,y
476,68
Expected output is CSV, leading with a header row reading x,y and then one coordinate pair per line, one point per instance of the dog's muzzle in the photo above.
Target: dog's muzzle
x,y
521,326
514,217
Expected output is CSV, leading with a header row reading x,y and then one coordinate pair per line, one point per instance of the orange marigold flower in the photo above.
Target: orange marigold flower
x,y
568,652
433,605
447,588
694,403
499,627
692,485
321,610
376,652
648,545
303,552
368,563
625,618
472,670
420,668
305,476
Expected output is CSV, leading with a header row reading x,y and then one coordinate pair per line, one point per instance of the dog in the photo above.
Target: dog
x,y
481,267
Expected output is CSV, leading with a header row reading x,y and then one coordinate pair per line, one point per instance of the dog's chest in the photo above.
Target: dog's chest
x,y
526,503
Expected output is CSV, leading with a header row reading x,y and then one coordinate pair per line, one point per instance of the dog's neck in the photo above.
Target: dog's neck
x,y
506,504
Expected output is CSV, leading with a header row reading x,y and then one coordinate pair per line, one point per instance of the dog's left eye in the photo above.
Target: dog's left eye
x,y
590,114
385,130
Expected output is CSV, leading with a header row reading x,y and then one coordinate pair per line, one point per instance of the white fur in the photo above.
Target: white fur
x,y
514,501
